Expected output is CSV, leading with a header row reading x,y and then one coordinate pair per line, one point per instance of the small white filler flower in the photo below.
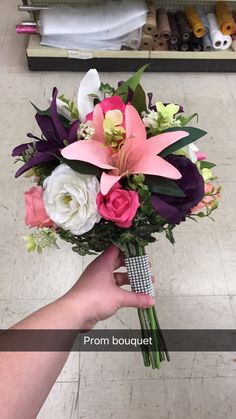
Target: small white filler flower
x,y
70,199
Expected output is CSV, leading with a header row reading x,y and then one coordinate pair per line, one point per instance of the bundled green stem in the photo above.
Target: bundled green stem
x,y
156,351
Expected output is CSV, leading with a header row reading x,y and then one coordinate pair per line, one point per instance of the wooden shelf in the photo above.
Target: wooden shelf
x,y
55,59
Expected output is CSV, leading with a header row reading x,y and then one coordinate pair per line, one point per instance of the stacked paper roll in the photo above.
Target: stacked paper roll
x,y
163,25
233,45
146,42
195,21
219,41
225,18
160,45
183,26
151,23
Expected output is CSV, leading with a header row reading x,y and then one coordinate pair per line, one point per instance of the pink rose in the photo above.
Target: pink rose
x,y
208,200
35,212
119,205
110,104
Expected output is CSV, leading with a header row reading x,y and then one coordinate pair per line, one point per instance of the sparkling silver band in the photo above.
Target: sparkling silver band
x,y
139,273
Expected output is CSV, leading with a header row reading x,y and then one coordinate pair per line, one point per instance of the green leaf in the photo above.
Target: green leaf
x,y
46,112
139,99
194,135
82,167
206,165
158,184
131,83
186,119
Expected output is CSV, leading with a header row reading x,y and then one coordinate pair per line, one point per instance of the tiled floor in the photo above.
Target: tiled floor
x,y
196,279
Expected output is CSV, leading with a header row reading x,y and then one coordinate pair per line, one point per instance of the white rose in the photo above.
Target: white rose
x,y
70,199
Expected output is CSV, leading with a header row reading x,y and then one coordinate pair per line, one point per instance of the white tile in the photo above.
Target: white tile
x,y
61,403
172,399
195,267
209,312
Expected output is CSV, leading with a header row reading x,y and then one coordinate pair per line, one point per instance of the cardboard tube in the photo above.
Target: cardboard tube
x,y
146,42
151,22
163,25
224,18
195,21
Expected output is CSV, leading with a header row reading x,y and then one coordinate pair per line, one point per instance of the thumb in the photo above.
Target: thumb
x,y
133,299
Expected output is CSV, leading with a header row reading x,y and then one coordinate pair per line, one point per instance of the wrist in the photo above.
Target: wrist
x,y
78,309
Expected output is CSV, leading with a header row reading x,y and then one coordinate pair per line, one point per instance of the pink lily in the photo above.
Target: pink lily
x,y
135,155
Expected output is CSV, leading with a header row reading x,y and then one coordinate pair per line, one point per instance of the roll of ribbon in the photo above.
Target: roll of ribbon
x,y
225,18
174,39
151,22
217,38
174,47
227,42
156,35
195,21
160,45
206,42
163,25
203,17
183,26
146,43
195,44
184,46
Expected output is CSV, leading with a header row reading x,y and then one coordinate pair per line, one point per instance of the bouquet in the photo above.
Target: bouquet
x,y
115,169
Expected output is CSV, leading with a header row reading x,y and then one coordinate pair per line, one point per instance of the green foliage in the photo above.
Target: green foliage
x,y
206,164
184,120
83,167
70,105
130,84
158,184
47,112
194,135
139,99
107,90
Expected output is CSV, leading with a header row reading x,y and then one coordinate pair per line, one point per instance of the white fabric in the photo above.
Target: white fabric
x,y
106,20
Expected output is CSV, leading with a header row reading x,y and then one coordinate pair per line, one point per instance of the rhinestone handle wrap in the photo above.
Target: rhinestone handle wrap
x,y
139,273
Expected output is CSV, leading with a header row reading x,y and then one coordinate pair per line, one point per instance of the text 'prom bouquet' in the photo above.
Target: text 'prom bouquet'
x,y
116,170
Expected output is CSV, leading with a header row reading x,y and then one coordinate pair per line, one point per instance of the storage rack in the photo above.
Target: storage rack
x,y
55,59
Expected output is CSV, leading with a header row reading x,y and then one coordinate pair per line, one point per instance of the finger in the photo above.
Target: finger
x,y
122,278
133,299
112,256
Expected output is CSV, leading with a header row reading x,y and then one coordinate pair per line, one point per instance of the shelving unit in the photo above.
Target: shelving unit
x,y
47,58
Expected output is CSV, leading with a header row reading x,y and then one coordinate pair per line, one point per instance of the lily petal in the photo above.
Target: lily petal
x,y
36,160
97,124
107,181
60,130
20,149
134,125
160,142
157,166
89,84
89,151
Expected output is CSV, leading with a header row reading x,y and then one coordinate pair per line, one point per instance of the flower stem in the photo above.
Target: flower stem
x,y
156,351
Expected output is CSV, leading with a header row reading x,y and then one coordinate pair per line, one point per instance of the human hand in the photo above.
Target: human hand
x,y
97,294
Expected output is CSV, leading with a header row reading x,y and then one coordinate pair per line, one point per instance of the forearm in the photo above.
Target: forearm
x,y
27,377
